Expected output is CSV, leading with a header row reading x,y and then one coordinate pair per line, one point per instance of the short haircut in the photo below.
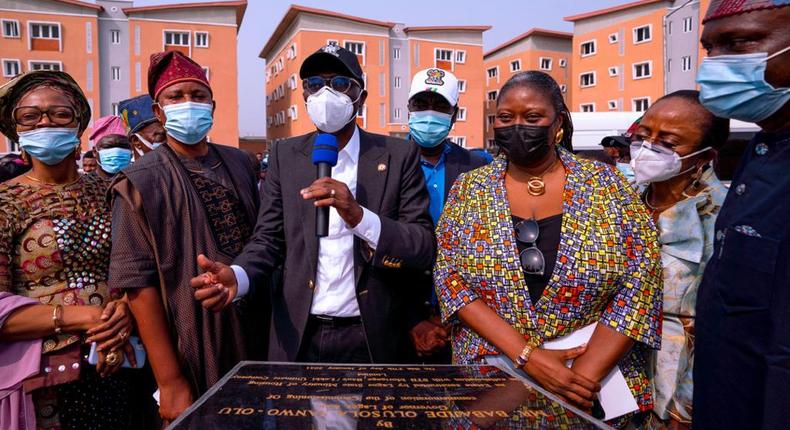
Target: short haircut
x,y
715,130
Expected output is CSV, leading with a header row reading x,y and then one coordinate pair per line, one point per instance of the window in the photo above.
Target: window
x,y
642,70
587,107
460,141
686,63
461,114
545,63
587,79
293,82
612,104
492,95
461,86
205,70
563,62
332,42
515,66
669,65
44,31
396,53
687,24
460,57
640,104
280,65
643,34
613,38
11,68
490,119
292,113
493,72
564,88
356,47
201,39
443,58
669,27
397,82
116,73
614,71
291,54
115,37
397,113
10,28
115,109
177,38
46,65
588,48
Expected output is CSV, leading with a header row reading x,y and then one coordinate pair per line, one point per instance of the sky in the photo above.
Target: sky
x,y
508,18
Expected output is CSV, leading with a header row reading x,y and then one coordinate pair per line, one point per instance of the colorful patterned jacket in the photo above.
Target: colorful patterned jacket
x,y
608,267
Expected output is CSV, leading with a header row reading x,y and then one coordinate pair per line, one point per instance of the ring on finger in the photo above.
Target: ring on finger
x,y
332,192
124,335
113,358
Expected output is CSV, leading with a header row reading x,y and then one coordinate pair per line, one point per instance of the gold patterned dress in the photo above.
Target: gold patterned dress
x,y
54,247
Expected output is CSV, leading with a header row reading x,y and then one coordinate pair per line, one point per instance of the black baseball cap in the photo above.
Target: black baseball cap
x,y
615,141
332,58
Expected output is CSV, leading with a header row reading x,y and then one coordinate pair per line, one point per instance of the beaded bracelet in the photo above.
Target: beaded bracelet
x,y
523,358
57,318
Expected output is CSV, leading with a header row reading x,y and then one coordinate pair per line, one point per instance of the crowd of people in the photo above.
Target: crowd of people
x,y
169,259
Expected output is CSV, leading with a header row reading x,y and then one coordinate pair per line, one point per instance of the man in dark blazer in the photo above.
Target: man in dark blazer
x,y
433,109
344,297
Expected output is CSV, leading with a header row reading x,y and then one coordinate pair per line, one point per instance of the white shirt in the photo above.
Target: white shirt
x,y
335,283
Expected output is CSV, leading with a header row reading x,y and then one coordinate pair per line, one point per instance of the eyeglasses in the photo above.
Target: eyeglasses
x,y
341,84
532,260
30,115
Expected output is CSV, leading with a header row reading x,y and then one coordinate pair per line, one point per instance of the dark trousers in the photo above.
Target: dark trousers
x,y
334,340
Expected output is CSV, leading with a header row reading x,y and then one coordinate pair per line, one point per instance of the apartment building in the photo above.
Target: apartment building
x,y
538,49
390,53
106,47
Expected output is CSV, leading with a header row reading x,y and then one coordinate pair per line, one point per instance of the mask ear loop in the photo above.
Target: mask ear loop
x,y
777,53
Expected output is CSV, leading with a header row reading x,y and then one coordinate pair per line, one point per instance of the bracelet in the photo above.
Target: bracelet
x,y
57,318
523,358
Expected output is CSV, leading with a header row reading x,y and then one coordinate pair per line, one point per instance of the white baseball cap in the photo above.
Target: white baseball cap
x,y
437,81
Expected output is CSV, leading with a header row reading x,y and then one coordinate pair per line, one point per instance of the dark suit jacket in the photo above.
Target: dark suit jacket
x,y
390,183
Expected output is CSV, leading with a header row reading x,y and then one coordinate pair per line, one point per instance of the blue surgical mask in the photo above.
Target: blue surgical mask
x,y
189,122
734,86
112,160
627,171
429,128
50,145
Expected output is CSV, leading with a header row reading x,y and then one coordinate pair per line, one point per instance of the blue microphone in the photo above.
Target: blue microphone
x,y
324,158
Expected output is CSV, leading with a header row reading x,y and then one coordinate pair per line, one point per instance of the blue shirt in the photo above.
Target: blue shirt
x,y
434,180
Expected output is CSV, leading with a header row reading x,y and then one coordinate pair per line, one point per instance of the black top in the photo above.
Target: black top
x,y
549,244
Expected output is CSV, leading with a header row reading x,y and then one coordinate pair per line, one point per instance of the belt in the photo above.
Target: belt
x,y
336,321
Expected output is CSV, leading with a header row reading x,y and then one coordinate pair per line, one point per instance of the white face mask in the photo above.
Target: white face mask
x,y
329,110
653,163
147,144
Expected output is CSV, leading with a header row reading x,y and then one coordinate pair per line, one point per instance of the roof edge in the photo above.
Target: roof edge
x,y
448,28
599,12
93,6
531,32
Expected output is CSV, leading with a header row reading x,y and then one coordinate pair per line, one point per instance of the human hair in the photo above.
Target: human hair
x,y
715,130
544,83
88,154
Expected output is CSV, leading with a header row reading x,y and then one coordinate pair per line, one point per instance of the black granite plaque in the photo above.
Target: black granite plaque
x,y
257,395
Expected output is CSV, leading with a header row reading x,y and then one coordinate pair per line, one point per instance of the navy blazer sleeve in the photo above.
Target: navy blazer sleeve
x,y
408,241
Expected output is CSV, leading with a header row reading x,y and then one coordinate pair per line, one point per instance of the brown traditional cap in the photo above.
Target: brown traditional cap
x,y
724,8
171,67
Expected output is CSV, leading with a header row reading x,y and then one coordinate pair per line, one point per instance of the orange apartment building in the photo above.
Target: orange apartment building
x,y
537,49
106,47
390,54
626,57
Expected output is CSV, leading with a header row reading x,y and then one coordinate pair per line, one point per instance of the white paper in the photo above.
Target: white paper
x,y
156,396
615,396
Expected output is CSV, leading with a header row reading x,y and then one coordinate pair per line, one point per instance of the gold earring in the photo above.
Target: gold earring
x,y
559,136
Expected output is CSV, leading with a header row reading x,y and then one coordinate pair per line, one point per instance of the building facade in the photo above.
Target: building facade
x,y
106,47
390,54
538,49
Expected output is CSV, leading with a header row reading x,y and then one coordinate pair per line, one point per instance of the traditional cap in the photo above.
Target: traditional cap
x,y
16,88
615,142
724,8
137,112
171,67
106,125
332,58
437,81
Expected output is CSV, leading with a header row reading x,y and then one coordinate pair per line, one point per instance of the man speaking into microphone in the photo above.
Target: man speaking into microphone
x,y
343,297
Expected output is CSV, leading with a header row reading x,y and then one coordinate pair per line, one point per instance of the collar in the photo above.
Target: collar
x,y
442,156
351,150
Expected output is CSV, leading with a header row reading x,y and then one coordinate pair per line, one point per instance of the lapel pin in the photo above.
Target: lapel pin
x,y
382,167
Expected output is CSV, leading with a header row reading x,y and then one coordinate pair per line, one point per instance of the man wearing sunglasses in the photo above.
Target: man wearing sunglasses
x,y
433,109
343,298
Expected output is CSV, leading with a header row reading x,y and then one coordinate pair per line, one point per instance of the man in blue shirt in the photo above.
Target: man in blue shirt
x,y
433,108
742,356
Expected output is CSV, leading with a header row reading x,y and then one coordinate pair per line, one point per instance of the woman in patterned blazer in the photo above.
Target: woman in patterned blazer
x,y
539,244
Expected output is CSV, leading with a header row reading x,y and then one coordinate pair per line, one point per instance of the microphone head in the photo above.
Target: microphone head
x,y
325,149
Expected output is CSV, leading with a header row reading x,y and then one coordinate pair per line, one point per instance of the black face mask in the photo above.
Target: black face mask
x,y
524,144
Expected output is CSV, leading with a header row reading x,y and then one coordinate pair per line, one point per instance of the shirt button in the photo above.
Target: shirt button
x,y
761,149
62,368
435,186
740,189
